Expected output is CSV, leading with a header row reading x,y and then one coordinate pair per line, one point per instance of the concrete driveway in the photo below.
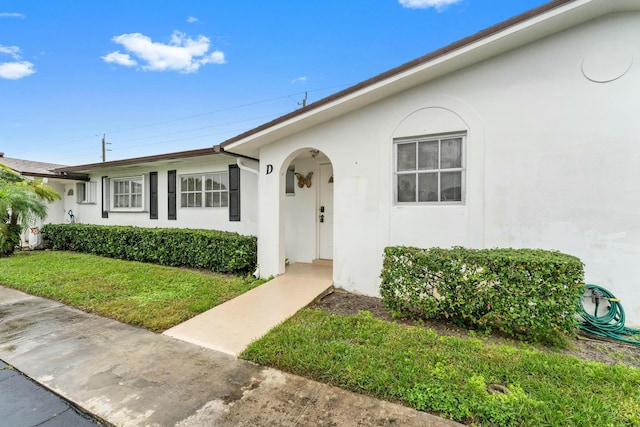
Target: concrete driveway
x,y
128,376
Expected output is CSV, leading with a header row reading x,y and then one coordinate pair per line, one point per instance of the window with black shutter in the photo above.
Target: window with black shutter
x,y
234,193
171,175
105,197
153,195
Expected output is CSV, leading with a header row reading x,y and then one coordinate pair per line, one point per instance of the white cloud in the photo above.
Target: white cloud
x,y
439,5
302,79
192,19
11,15
120,59
16,70
182,53
10,50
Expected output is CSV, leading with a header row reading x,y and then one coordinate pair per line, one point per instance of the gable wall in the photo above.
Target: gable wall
x,y
551,161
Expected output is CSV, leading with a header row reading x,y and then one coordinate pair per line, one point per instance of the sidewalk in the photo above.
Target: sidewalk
x,y
128,376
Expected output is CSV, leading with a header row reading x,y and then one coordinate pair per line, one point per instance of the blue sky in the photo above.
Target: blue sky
x,y
163,76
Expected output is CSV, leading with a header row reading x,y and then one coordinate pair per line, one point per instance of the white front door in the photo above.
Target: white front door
x,y
325,212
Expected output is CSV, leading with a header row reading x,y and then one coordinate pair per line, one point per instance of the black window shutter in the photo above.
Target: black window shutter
x,y
171,175
153,195
105,197
234,193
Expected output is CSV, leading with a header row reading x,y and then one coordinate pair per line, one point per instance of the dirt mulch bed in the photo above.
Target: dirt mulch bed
x,y
592,348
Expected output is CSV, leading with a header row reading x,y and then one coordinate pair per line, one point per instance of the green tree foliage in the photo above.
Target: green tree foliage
x,y
22,202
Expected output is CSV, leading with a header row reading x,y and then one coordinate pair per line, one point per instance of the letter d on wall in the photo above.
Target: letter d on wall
x,y
269,169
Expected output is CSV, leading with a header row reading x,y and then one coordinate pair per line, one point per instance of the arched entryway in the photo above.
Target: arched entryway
x,y
307,207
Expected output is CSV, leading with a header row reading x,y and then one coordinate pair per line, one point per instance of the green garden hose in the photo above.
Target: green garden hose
x,y
611,323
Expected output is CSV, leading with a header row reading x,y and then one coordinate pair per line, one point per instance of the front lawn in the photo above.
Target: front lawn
x,y
468,380
148,295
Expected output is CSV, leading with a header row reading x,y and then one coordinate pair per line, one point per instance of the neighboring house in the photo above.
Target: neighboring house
x,y
204,188
58,210
522,135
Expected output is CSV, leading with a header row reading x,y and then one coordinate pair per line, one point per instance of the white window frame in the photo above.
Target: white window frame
x,y
439,170
217,175
86,192
112,193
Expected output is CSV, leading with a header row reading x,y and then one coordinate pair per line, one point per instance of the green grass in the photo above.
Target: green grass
x,y
147,295
450,376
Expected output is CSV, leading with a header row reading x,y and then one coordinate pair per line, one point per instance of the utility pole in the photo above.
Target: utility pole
x,y
104,147
304,101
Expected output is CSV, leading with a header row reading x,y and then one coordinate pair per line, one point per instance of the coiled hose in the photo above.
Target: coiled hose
x,y
611,323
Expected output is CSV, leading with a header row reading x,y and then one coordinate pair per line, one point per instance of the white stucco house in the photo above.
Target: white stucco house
x,y
523,135
58,211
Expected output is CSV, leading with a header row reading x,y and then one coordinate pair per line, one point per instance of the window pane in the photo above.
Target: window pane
x,y
407,157
136,201
428,155
289,187
451,153
80,192
183,200
198,181
216,200
407,188
208,199
428,187
198,200
208,183
224,181
191,199
451,186
184,186
216,182
224,199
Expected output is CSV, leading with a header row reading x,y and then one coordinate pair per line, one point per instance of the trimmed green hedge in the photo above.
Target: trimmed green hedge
x,y
533,295
219,251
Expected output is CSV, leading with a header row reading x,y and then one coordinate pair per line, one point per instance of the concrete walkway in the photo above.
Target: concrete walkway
x,y
128,376
232,326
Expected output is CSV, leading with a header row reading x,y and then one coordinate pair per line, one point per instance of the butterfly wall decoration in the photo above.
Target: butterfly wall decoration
x,y
304,180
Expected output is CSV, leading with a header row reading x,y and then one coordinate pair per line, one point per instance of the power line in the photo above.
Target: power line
x,y
250,104
222,110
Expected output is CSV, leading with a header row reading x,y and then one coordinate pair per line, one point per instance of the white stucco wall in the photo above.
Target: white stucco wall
x,y
206,218
551,162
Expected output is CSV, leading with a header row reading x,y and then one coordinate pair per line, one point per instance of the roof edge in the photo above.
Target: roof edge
x,y
149,159
457,45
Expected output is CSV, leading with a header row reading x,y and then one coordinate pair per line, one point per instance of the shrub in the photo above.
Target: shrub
x,y
532,295
220,251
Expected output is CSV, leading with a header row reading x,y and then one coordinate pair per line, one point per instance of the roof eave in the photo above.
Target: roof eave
x,y
61,176
217,150
520,30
